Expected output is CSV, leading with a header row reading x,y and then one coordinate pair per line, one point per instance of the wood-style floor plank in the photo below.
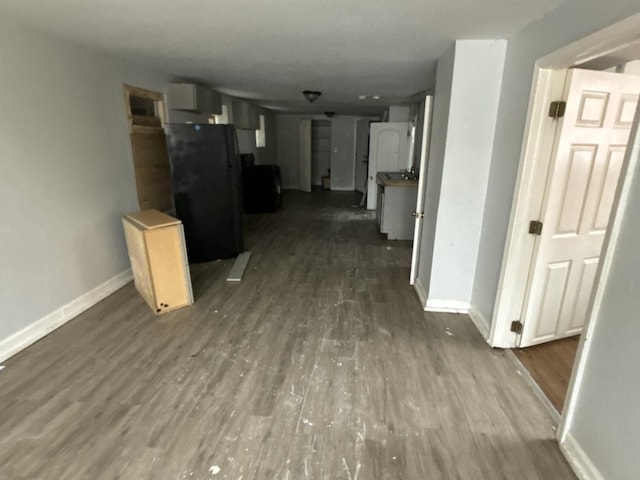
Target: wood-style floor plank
x,y
550,365
320,364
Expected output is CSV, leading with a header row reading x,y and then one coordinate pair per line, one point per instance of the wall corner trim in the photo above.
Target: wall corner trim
x,y
479,320
446,306
47,324
421,292
578,459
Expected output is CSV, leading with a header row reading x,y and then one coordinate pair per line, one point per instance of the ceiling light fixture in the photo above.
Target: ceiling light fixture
x,y
362,97
376,97
311,95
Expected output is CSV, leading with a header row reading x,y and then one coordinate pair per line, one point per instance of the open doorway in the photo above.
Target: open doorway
x,y
146,115
568,183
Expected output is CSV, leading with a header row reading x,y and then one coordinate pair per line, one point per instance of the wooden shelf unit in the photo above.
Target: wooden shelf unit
x,y
158,257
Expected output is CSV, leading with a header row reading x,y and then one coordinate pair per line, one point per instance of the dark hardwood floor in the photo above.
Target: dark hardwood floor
x,y
320,364
550,365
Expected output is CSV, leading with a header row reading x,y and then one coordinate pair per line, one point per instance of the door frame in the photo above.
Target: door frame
x,y
305,131
548,83
422,187
548,80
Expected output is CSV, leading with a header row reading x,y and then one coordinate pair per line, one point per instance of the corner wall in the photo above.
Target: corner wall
x,y
572,21
466,105
604,426
67,172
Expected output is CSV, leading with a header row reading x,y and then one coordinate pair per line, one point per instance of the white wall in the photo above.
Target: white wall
x,y
288,149
266,155
460,162
342,149
606,417
400,113
439,125
67,174
343,145
574,20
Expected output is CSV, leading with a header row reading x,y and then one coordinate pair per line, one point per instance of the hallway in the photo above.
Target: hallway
x,y
320,364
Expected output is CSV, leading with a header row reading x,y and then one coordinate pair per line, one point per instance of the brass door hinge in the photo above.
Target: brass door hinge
x,y
535,227
557,109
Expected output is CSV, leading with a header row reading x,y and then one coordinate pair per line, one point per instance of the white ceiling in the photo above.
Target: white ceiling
x,y
271,50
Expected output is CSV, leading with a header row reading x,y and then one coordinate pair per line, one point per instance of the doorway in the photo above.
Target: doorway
x,y
320,151
146,115
586,166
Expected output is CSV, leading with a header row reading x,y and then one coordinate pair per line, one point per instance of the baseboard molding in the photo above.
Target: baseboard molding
x,y
40,328
342,189
446,306
479,321
579,460
540,395
422,293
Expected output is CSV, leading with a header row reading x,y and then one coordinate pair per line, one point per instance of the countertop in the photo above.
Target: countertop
x,y
395,179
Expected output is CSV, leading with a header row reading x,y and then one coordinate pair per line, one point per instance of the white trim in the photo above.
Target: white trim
x,y
548,83
446,306
579,460
342,189
479,320
422,293
40,328
535,158
422,188
544,400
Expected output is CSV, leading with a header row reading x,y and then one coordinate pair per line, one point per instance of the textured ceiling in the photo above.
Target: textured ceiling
x,y
271,50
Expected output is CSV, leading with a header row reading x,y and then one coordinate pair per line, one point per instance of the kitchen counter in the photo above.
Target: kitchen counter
x,y
396,202
395,179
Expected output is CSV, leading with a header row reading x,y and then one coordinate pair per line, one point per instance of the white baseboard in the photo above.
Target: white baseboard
x,y
342,189
479,320
40,328
540,395
579,460
446,306
422,293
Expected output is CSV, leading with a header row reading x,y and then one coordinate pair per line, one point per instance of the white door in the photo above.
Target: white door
x,y
389,145
362,154
305,156
422,186
590,143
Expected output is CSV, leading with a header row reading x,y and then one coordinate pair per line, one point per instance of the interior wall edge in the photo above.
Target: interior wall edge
x,y
579,460
447,306
22,339
480,321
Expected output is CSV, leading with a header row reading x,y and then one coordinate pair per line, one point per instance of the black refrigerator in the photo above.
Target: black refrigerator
x,y
206,178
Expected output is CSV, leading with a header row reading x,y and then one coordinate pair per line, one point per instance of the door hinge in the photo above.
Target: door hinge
x,y
535,227
417,215
557,108
516,326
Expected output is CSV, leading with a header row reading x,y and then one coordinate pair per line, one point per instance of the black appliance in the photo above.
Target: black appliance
x,y
262,186
206,181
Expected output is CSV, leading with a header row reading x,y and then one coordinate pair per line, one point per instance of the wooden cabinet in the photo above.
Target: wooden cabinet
x,y
194,98
158,257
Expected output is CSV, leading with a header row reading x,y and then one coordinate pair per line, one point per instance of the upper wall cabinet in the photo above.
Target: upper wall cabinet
x,y
194,98
245,116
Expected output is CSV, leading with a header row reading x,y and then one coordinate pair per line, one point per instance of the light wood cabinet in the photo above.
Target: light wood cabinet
x,y
158,257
